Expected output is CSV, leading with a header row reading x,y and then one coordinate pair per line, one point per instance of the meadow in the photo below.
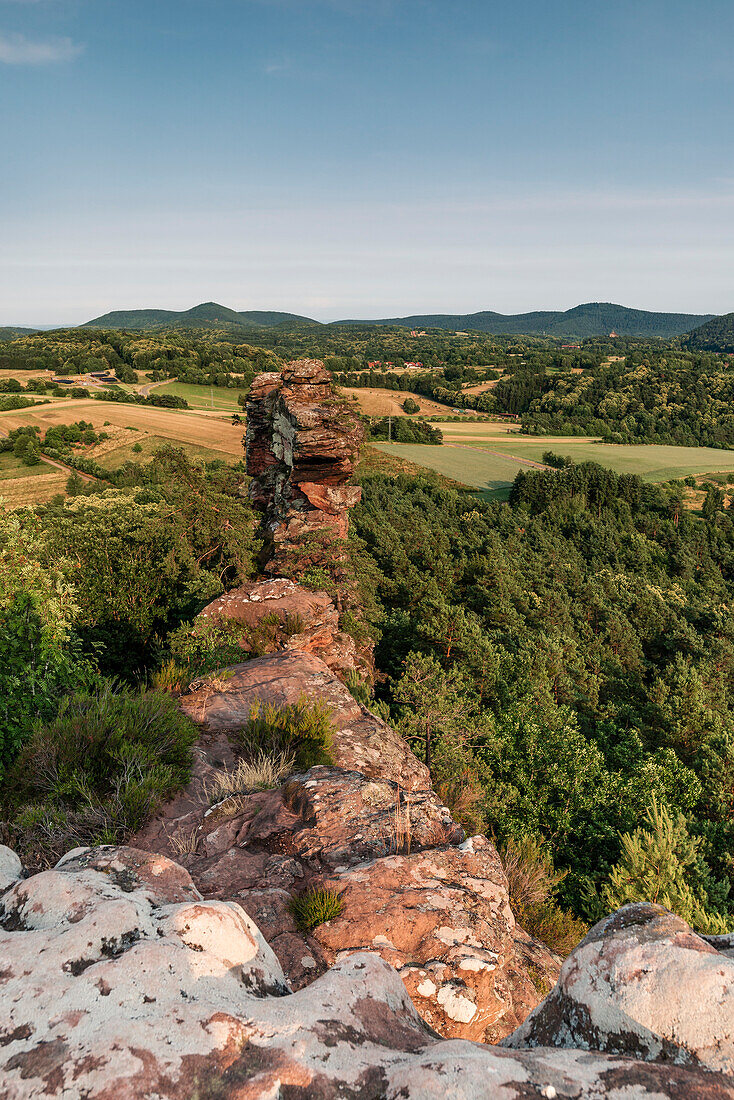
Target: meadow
x,y
490,462
204,397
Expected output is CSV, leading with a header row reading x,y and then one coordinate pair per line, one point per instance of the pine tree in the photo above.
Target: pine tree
x,y
656,865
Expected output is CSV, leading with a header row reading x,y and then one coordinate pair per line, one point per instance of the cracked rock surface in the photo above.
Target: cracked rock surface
x,y
118,982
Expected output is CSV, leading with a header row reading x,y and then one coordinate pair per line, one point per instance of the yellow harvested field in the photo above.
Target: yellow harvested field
x,y
32,490
379,402
213,432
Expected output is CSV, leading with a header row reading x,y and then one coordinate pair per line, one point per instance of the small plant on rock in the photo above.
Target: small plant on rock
x,y
315,907
264,772
302,730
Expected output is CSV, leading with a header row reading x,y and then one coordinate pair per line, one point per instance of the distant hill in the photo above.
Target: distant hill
x,y
10,333
715,335
591,319
206,315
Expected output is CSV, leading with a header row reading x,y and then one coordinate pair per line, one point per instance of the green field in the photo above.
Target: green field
x,y
12,468
203,397
474,463
492,474
653,462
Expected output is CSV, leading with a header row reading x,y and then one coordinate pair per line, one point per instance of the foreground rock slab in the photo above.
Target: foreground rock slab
x,y
120,983
643,983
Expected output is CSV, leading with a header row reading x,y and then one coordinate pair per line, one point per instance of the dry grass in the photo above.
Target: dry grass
x,y
401,833
262,773
17,492
184,842
214,432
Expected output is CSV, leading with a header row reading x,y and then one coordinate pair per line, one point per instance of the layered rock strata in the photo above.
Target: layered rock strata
x,y
302,444
119,982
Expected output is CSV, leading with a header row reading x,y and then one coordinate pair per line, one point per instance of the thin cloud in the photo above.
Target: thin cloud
x,y
16,49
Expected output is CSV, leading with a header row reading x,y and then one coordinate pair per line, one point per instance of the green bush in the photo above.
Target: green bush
x,y
302,730
315,907
96,772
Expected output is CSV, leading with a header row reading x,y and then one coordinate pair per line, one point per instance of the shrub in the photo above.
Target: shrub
x,y
96,772
315,907
411,406
302,730
532,882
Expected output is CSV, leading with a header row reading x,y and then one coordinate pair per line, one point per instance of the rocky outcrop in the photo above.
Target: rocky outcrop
x,y
641,983
372,829
301,445
282,615
363,742
120,983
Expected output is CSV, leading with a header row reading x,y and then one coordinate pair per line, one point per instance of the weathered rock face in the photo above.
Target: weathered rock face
x,y
282,615
642,983
120,983
373,829
363,741
302,444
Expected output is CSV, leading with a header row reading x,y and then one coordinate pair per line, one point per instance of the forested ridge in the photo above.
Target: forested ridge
x,y
572,655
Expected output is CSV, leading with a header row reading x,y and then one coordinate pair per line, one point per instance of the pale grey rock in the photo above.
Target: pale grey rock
x,y
641,983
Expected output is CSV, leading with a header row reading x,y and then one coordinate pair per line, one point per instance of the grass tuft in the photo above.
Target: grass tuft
x,y
315,907
301,730
264,772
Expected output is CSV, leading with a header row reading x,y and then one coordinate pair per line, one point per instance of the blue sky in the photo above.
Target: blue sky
x,y
364,158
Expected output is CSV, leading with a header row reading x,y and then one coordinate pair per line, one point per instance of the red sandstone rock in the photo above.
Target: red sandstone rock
x,y
442,918
363,742
312,615
302,444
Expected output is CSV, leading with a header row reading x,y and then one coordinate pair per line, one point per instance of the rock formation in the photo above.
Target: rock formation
x,y
302,445
641,982
282,615
371,828
119,982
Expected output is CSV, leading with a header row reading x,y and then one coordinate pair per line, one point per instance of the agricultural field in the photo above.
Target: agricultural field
x,y
382,402
203,397
491,474
490,462
203,435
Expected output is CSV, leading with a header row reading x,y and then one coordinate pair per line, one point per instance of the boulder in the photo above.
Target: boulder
x,y
442,919
642,983
120,984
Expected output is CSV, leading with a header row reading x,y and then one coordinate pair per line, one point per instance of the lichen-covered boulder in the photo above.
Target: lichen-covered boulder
x,y
442,918
118,983
641,983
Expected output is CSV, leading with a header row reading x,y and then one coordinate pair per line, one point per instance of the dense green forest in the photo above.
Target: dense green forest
x,y
716,335
571,655
652,396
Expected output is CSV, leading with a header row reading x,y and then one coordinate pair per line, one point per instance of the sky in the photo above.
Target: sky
x,y
364,158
